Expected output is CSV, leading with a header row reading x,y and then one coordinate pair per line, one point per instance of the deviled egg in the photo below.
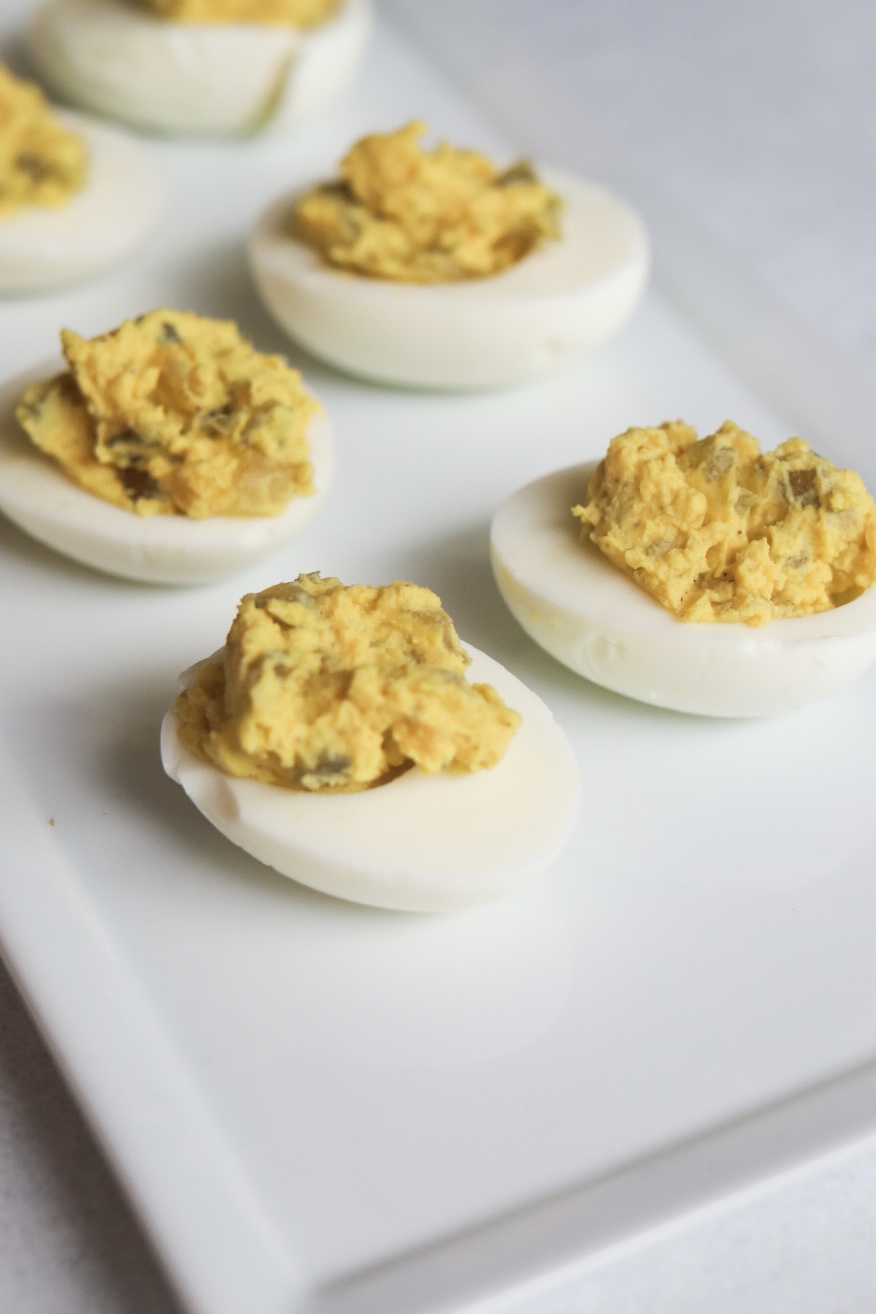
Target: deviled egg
x,y
730,582
75,197
337,738
203,67
438,269
168,451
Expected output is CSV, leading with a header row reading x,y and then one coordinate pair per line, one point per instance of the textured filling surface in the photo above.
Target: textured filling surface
x,y
323,686
176,414
280,13
41,161
716,530
410,215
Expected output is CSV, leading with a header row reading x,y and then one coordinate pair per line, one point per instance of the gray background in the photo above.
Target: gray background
x,y
760,117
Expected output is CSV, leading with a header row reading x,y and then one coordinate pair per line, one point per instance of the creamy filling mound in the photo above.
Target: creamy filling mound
x,y
41,161
175,414
413,216
328,687
716,530
279,13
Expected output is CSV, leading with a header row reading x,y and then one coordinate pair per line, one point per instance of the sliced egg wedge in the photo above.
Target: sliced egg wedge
x,y
564,298
585,612
423,843
99,226
37,495
196,78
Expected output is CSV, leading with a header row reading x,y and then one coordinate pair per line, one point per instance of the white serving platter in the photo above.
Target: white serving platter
x,y
319,1108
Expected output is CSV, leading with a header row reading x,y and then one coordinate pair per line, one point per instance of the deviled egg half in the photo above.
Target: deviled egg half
x,y
168,451
703,576
437,269
75,197
201,67
337,738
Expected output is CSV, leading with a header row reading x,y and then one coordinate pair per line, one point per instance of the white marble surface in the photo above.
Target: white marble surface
x,y
761,117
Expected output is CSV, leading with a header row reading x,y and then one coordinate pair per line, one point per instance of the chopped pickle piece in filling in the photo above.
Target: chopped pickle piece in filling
x,y
41,162
415,216
323,686
281,13
716,530
176,414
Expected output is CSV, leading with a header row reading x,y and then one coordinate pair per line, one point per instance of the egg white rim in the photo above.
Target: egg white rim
x,y
569,281
71,241
36,494
526,278
587,614
543,508
360,855
306,68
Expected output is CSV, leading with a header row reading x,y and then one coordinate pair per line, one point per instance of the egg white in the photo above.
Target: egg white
x,y
46,246
420,843
585,612
564,298
196,78
41,499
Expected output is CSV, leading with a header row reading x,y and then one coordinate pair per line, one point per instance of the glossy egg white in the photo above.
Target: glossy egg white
x,y
566,297
37,495
48,246
422,843
196,78
585,612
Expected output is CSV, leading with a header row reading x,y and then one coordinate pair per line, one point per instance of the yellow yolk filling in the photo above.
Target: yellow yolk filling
x,y
176,414
715,530
415,216
323,686
289,13
41,162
